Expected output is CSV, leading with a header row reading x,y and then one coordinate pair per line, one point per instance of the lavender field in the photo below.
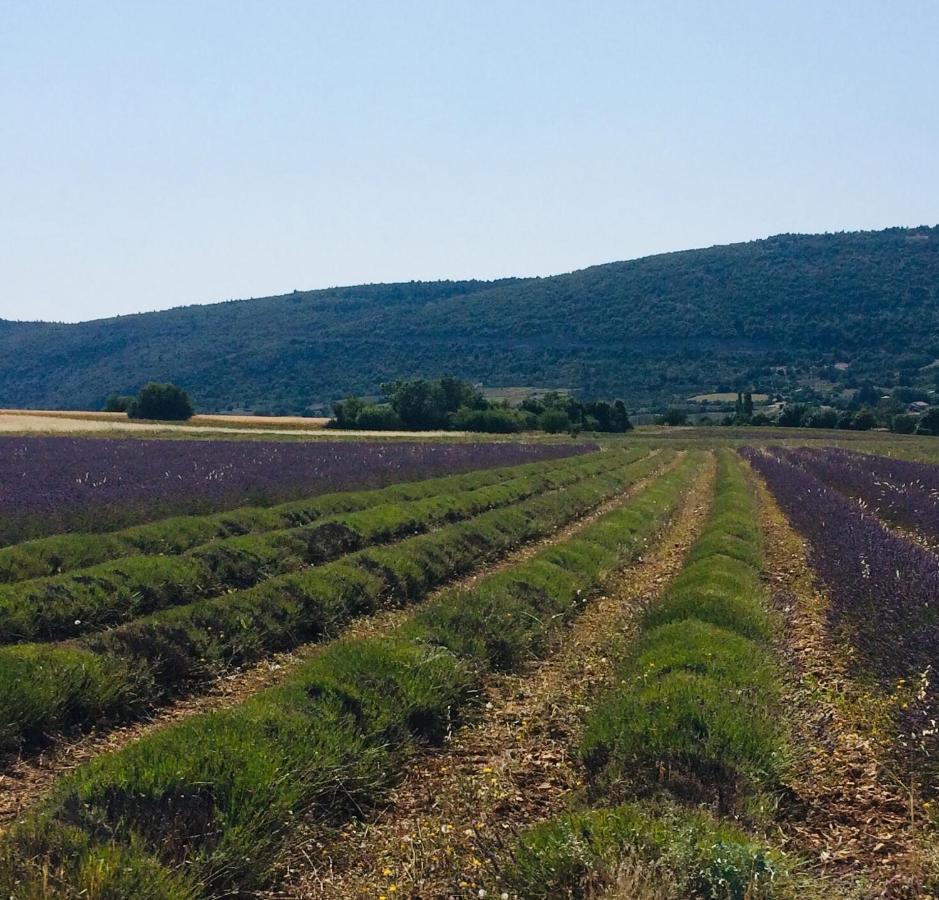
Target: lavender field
x,y
884,587
54,484
901,492
883,591
764,727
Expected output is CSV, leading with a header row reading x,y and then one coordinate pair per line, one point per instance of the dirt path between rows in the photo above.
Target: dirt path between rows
x,y
445,823
25,782
848,813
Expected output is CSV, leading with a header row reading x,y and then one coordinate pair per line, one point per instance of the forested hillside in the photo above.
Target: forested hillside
x,y
764,315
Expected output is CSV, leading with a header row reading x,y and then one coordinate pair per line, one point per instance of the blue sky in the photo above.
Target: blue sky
x,y
155,154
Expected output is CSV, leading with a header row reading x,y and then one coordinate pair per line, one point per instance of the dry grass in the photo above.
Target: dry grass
x,y
246,421
17,421
725,397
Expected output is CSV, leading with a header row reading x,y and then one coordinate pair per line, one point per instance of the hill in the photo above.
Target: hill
x,y
821,310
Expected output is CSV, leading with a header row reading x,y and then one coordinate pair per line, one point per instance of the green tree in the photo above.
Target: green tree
x,y
419,403
619,420
165,402
459,393
792,416
903,424
929,422
823,418
602,413
674,416
118,403
748,406
867,395
346,412
864,420
554,421
377,418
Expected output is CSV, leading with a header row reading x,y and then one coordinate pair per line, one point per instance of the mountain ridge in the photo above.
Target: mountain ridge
x,y
651,330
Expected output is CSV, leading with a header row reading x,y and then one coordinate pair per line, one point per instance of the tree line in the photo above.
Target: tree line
x,y
865,411
452,404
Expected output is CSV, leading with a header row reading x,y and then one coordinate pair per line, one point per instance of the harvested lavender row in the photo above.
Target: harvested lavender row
x,y
884,588
897,490
54,484
901,471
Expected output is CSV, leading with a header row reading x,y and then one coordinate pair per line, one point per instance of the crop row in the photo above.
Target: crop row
x,y
201,808
57,554
883,589
128,669
55,484
901,492
692,717
86,600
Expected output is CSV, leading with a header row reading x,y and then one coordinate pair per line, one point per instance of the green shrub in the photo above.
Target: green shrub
x,y
704,649
119,403
697,697
492,420
668,851
693,715
47,685
710,738
377,418
741,613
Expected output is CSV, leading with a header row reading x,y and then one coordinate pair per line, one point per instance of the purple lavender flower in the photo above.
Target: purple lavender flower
x,y
55,484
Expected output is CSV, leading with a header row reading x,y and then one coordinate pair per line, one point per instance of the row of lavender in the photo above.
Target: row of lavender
x,y
883,588
54,484
902,492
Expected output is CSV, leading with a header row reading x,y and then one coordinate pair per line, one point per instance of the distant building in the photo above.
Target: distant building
x,y
917,406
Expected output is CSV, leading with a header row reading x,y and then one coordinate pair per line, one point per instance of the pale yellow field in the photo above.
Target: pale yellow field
x,y
239,421
20,421
727,397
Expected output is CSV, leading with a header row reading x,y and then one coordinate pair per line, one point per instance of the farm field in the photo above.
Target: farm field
x,y
725,397
689,663
116,424
15,421
52,484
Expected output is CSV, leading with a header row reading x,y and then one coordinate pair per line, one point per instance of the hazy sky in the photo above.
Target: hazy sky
x,y
157,153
